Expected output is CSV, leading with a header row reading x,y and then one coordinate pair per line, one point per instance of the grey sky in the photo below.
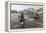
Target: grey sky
x,y
21,7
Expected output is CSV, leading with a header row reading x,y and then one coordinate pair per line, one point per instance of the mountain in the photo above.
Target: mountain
x,y
13,11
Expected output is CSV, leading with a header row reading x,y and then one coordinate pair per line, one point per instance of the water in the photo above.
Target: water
x,y
29,22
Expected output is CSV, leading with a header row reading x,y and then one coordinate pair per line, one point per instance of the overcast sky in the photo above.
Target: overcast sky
x,y
22,7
